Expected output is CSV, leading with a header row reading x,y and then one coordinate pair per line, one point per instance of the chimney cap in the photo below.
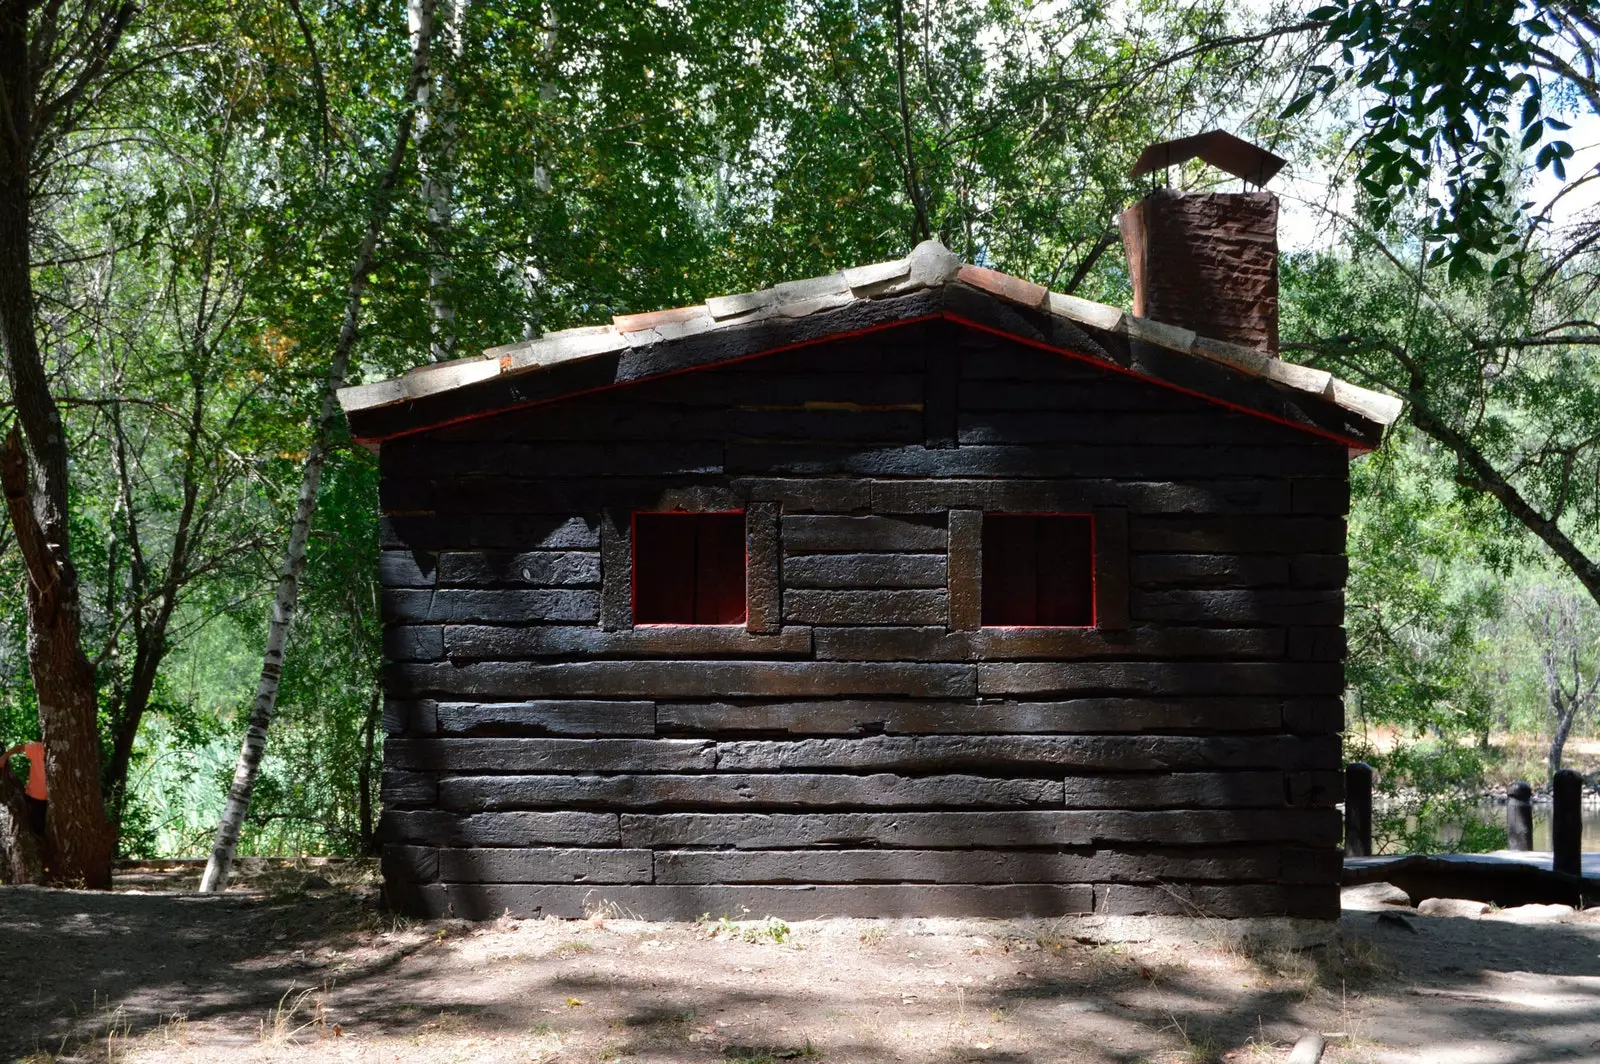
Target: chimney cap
x,y
1217,147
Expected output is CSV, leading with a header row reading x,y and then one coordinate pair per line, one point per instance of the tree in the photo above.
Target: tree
x,y
1449,75
219,867
57,63
1565,626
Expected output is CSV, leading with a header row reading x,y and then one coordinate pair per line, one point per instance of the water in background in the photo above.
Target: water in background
x,y
1496,814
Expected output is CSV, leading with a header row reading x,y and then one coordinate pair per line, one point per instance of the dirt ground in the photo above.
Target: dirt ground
x,y
292,968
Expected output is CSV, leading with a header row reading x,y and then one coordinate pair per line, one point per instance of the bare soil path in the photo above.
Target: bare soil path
x,y
277,973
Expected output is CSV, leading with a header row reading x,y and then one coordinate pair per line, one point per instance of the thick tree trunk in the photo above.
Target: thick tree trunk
x,y
21,853
78,839
220,866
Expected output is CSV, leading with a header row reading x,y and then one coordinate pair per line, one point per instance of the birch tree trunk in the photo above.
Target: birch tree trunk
x,y
436,145
220,866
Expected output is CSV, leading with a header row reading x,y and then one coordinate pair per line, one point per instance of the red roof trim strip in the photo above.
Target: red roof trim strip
x,y
868,330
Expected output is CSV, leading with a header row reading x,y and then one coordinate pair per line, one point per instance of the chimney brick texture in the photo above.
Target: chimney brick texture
x,y
1207,262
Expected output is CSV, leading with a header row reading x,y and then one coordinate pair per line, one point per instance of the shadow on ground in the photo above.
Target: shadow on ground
x,y
192,978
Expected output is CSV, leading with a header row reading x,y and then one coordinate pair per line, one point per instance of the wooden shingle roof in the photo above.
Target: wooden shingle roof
x,y
930,283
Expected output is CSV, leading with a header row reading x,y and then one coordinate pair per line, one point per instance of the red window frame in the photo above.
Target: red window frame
x,y
710,594
998,605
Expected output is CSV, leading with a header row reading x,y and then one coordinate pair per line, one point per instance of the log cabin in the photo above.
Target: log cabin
x,y
913,589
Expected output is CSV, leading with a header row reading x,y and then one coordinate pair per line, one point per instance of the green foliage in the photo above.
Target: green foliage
x,y
1460,99
1419,598
606,158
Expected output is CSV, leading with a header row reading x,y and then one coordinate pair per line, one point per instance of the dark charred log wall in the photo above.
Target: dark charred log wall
x,y
863,746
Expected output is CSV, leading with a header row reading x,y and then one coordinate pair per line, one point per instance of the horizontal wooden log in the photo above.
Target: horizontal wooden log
x,y
487,901
976,866
404,568
1317,644
1313,716
1071,644
525,569
971,830
1133,461
1107,394
1235,900
865,607
788,389
1072,716
432,532
1206,428
1255,606
473,794
399,789
864,571
1200,495
461,606
1017,753
681,680
857,422
808,533
414,642
547,718
1315,788
416,716
549,755
1152,678
426,458
518,492
432,827
598,418
805,495
1319,570
544,865
1330,495
1225,534
1166,571
508,643
409,864
1178,790
896,351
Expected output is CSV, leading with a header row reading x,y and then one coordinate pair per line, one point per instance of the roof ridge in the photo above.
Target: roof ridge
x,y
929,265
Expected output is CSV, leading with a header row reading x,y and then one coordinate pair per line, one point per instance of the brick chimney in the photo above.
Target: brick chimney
x,y
1206,262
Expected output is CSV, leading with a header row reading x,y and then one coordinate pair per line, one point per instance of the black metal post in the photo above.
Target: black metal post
x,y
1519,816
1566,822
1358,809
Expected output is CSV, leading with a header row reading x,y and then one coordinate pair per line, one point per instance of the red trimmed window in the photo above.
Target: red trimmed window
x,y
688,568
1038,570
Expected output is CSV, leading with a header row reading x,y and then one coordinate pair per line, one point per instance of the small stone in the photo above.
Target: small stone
x,y
1394,919
1308,1050
1373,896
1462,907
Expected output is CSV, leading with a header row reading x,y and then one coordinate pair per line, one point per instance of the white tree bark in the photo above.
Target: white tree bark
x,y
436,146
220,866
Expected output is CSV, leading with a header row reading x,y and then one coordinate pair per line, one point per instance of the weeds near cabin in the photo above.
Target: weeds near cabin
x,y
770,1054
873,937
307,1010
572,948
1197,1049
771,930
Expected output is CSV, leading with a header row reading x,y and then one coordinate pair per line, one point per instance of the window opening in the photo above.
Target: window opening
x,y
688,568
1038,570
